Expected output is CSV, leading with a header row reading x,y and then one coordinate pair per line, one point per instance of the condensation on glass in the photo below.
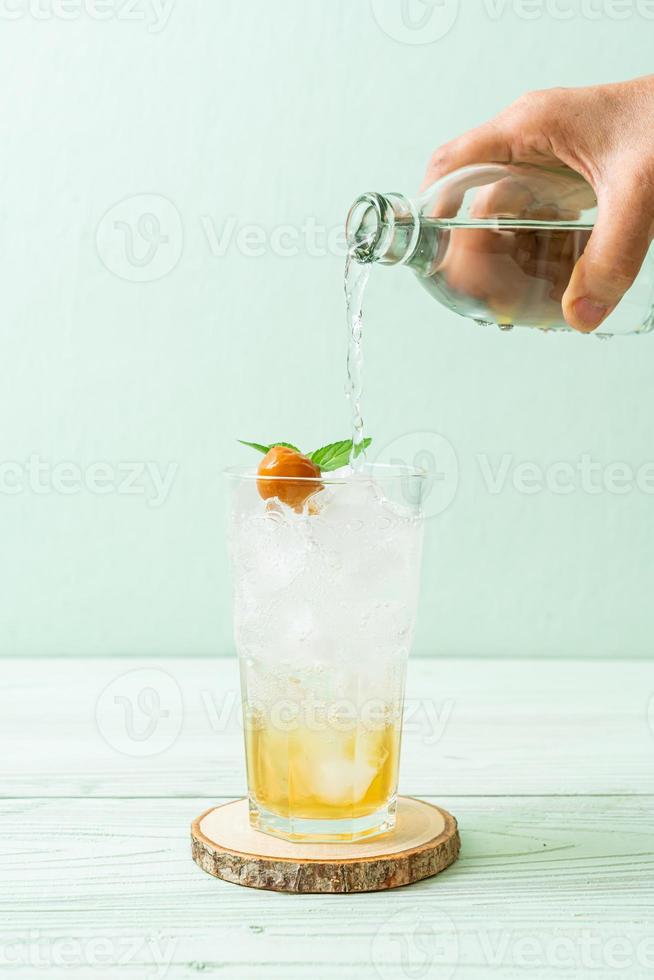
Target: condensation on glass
x,y
324,608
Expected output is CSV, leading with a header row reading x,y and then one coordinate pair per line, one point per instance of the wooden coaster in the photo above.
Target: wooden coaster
x,y
425,841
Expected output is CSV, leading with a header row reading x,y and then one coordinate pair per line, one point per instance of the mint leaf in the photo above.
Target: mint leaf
x,y
254,445
363,445
330,457
264,449
336,454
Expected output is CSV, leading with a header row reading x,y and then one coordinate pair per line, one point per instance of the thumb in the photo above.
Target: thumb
x,y
612,258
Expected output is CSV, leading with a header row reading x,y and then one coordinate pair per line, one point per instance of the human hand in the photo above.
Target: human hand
x,y
606,134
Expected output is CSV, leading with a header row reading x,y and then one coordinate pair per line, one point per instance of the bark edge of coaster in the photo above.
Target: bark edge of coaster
x,y
424,842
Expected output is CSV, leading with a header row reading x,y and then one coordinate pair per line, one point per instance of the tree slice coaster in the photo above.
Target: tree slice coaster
x,y
425,841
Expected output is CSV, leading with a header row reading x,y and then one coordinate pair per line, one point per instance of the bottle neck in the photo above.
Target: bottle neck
x,y
382,228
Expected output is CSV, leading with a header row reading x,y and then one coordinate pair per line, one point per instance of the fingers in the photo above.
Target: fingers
x,y
449,198
486,144
612,258
525,132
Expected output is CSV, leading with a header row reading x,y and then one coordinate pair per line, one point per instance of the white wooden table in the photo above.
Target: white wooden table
x,y
548,765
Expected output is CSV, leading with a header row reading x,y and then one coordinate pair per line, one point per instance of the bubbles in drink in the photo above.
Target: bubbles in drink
x,y
319,772
324,607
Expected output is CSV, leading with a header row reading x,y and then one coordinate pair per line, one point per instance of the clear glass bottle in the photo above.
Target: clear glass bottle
x,y
496,243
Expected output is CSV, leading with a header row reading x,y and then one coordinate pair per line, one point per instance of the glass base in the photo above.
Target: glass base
x,y
323,831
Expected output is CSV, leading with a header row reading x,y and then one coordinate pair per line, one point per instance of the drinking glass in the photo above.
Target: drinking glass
x,y
325,596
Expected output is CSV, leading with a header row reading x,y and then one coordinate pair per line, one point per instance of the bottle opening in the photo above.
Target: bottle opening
x,y
382,228
365,227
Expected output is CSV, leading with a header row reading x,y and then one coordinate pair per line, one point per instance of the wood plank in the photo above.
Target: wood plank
x,y
472,727
115,879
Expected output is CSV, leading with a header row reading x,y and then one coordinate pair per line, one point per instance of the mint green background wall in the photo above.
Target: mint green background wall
x,y
275,114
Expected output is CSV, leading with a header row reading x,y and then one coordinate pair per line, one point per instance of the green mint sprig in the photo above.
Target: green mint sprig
x,y
330,457
336,454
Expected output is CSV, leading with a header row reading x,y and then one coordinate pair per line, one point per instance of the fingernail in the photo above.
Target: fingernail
x,y
588,313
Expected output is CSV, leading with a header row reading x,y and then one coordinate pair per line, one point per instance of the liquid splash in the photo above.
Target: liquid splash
x,y
356,279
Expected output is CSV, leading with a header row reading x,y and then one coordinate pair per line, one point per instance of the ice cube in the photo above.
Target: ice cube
x,y
268,551
352,503
341,781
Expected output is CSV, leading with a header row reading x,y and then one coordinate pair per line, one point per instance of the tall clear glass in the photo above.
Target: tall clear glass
x,y
324,610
